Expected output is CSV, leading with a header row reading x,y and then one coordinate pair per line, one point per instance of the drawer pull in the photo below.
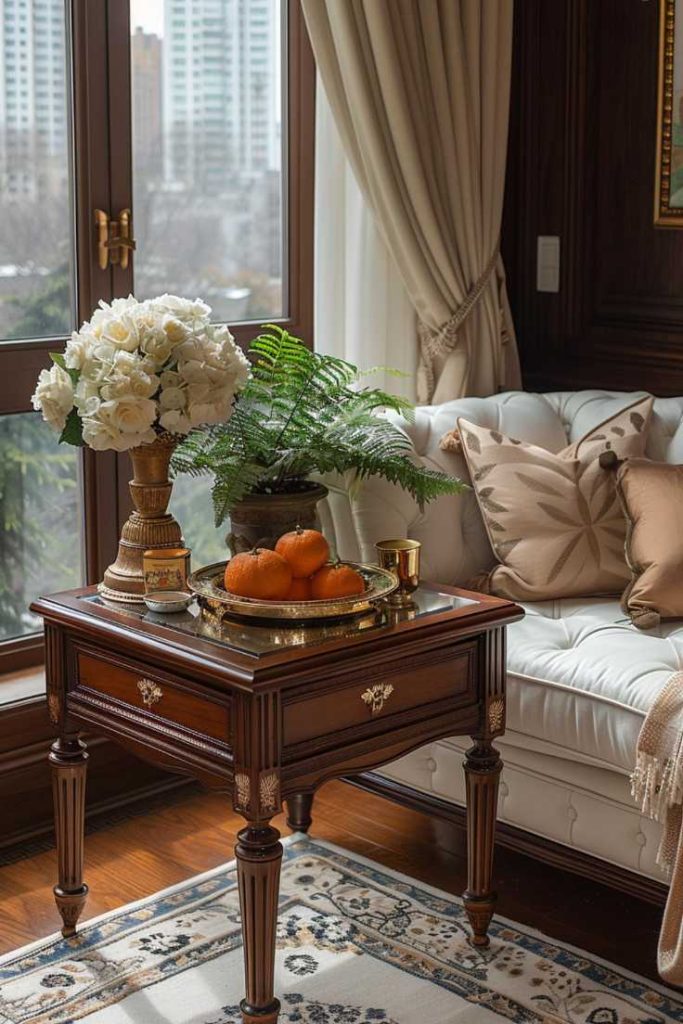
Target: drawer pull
x,y
151,693
376,696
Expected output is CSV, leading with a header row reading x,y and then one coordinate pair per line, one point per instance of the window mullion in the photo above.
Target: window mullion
x,y
91,145
120,129
96,35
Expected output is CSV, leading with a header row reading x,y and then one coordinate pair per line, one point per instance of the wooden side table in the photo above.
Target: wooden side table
x,y
267,715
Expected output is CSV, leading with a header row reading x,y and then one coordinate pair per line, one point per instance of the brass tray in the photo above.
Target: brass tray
x,y
212,597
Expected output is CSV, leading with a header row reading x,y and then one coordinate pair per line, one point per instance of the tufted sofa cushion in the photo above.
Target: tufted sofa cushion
x,y
581,677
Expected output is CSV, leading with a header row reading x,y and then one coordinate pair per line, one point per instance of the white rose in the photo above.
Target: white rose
x,y
104,354
148,364
193,371
220,378
175,330
121,332
192,350
183,309
170,379
109,310
125,362
199,394
223,352
80,351
220,333
126,377
157,346
54,396
89,406
137,384
101,433
175,422
143,385
129,415
172,398
86,392
119,306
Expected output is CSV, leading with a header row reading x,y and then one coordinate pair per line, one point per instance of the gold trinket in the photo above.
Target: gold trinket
x,y
376,696
402,558
149,691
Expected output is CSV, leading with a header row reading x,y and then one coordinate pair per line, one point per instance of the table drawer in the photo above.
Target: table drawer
x,y
382,696
156,695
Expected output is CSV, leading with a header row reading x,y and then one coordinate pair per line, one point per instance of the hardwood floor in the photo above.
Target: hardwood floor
x,y
138,856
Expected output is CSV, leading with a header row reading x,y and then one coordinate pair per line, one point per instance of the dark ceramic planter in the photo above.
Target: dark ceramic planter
x,y
260,519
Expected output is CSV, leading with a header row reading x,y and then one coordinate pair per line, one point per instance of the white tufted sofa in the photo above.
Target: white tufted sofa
x,y
580,676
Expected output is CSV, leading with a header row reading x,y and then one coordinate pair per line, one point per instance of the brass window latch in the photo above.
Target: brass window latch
x,y
114,238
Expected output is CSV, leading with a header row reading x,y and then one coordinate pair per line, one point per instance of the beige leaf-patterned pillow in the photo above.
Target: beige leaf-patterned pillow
x,y
554,520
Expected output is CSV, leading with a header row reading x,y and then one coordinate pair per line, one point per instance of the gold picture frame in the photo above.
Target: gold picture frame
x,y
669,165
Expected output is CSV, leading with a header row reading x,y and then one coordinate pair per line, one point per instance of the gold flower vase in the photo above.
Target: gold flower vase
x,y
149,526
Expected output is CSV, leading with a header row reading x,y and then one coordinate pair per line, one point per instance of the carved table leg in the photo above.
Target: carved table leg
x,y
482,774
299,812
69,760
259,855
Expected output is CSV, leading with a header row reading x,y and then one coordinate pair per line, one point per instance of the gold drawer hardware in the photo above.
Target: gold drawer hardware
x,y
376,696
114,239
151,693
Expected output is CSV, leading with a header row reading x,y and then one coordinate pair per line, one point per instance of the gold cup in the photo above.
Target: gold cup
x,y
402,557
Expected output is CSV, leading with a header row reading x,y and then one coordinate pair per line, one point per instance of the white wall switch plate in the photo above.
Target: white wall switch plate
x,y
548,264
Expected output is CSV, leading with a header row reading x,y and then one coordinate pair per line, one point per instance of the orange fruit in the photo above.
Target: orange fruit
x,y
300,590
259,573
305,550
336,581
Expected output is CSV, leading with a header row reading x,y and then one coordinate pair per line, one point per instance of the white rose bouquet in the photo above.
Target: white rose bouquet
x,y
140,369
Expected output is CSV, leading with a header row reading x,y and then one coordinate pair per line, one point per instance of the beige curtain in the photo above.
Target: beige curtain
x,y
420,94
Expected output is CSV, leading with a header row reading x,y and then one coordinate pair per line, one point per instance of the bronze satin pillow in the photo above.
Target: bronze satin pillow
x,y
652,497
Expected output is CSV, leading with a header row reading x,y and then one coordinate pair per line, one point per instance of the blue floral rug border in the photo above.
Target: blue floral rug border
x,y
592,968
221,880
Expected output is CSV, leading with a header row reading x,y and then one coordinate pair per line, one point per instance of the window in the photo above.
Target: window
x,y
39,481
208,166
144,111
39,504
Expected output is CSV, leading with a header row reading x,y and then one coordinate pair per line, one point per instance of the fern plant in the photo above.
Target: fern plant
x,y
302,413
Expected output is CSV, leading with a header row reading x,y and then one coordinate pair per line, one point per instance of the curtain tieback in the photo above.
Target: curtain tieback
x,y
438,341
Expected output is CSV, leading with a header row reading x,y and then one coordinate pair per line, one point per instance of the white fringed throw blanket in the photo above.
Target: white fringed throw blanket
x,y
657,785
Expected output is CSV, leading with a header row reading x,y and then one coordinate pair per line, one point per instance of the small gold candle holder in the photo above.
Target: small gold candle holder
x,y
166,569
402,557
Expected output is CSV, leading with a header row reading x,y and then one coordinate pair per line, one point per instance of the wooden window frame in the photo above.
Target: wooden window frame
x,y
102,175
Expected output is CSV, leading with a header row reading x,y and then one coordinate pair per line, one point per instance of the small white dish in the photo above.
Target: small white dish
x,y
167,601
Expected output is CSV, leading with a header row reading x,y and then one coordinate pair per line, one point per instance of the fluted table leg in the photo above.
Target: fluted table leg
x,y
259,855
69,760
482,774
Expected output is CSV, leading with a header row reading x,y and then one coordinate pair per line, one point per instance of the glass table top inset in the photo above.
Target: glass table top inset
x,y
263,638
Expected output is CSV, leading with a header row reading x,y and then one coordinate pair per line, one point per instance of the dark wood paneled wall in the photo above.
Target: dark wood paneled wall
x,y
581,166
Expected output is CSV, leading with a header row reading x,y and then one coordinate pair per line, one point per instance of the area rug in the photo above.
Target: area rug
x,y
357,944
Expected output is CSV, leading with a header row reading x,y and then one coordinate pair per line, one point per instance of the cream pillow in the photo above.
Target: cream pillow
x,y
554,520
